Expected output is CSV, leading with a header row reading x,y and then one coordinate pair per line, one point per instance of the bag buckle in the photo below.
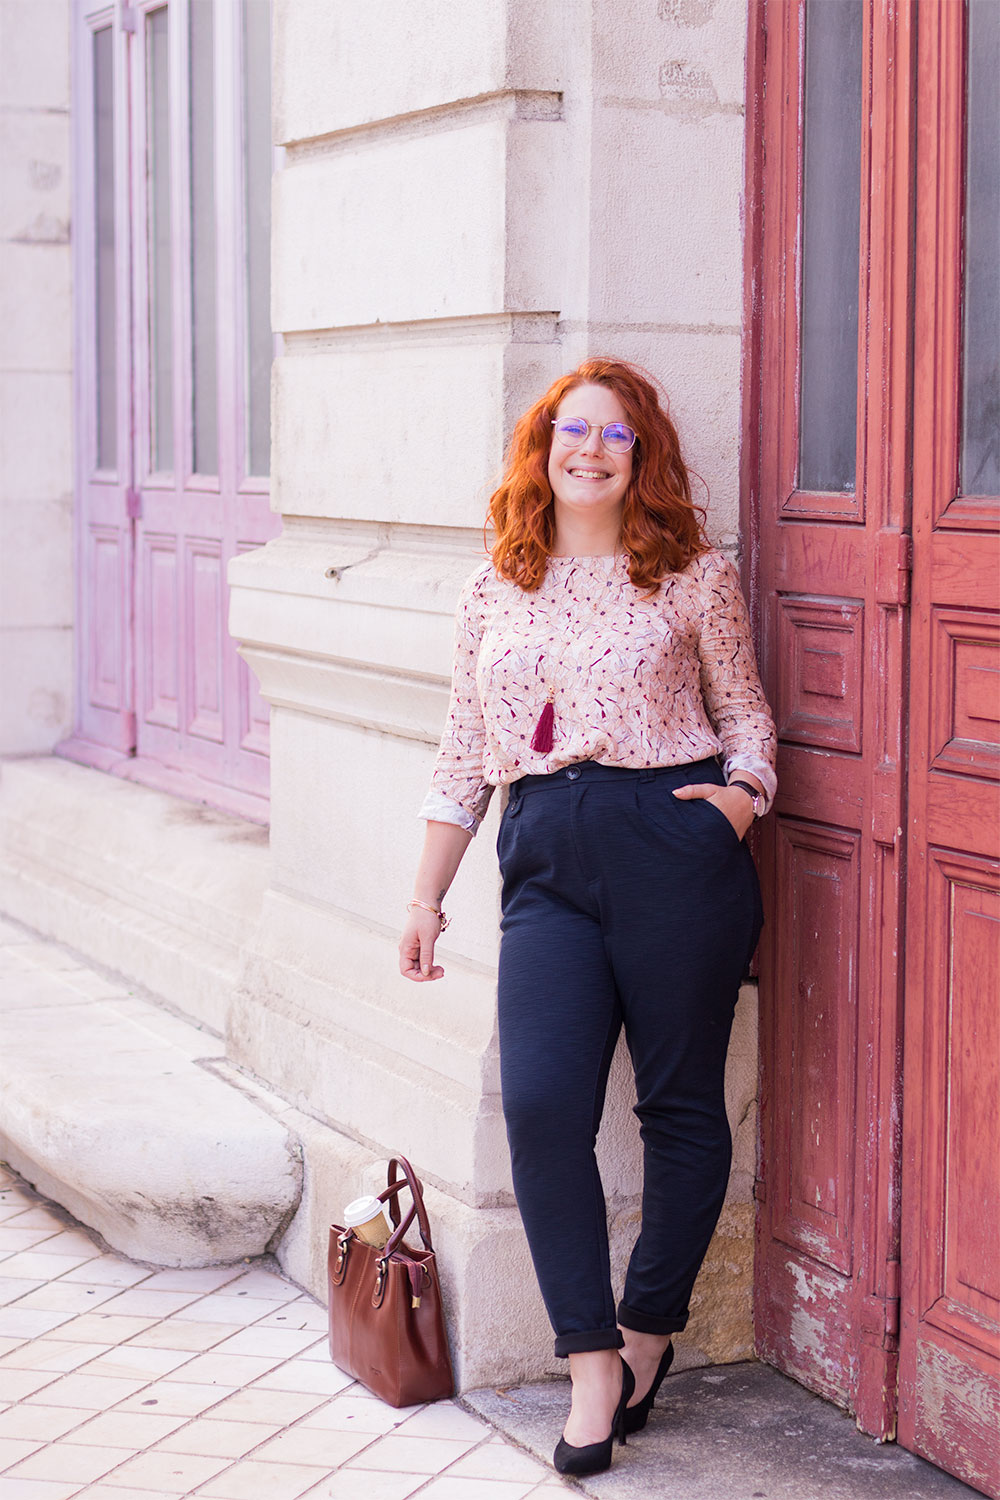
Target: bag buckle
x,y
379,1291
340,1265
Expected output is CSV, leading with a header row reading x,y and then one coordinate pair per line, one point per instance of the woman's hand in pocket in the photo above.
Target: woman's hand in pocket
x,y
733,803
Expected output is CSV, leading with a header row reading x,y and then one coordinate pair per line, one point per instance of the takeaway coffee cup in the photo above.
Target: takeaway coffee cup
x,y
366,1218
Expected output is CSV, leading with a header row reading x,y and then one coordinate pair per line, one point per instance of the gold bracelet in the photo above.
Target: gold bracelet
x,y
439,913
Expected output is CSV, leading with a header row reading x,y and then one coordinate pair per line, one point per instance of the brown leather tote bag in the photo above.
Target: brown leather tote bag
x,y
386,1319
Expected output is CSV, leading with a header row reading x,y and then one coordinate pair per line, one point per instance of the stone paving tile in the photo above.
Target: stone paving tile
x,y
214,1438
126,1429
170,1471
353,1484
120,1381
53,1354
220,1307
447,1488
135,1363
314,1445
256,1405
16,1385
199,1279
29,1322
176,1398
67,1460
174,1334
410,1455
42,1422
107,1270
250,1480
40,1489
98,1392
14,1287
64,1296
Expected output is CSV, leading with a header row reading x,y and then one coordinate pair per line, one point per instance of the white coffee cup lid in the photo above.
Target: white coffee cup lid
x,y
361,1210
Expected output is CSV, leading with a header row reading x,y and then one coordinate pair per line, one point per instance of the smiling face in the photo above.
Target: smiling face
x,y
590,483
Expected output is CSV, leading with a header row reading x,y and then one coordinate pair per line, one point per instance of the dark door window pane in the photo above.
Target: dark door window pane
x,y
104,227
257,125
161,301
980,455
203,211
831,214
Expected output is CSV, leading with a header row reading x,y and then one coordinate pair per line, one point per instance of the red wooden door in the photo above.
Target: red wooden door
x,y
949,1389
830,585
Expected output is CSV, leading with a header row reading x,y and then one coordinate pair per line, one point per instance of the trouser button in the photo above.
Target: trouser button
x,y
573,773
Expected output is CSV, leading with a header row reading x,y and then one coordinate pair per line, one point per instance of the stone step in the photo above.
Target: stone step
x,y
109,1104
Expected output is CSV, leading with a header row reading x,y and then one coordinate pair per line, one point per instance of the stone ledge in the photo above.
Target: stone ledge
x,y
108,1108
162,890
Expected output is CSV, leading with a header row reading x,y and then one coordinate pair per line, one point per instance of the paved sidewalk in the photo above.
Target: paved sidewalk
x,y
122,1382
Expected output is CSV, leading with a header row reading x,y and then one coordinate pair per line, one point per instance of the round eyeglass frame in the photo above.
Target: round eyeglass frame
x,y
590,427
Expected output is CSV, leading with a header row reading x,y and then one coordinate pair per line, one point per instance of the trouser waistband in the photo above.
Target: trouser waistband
x,y
593,770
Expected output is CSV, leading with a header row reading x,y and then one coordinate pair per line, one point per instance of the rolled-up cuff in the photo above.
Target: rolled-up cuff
x,y
581,1343
437,808
759,768
645,1323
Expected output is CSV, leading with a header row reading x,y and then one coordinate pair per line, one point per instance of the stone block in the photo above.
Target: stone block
x,y
34,277
691,57
672,252
34,169
36,688
325,80
36,563
431,240
168,1162
34,54
36,435
404,430
163,891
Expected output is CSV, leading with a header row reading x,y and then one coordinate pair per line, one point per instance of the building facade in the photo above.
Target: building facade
x,y
216,740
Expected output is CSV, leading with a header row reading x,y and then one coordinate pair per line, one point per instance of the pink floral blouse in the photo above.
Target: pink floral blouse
x,y
635,682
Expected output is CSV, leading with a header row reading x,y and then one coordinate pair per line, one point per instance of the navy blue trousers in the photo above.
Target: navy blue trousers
x,y
622,906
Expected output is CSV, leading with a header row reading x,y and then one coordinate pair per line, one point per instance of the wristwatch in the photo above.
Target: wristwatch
x,y
757,798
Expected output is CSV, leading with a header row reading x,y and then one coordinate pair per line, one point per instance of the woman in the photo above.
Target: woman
x,y
603,662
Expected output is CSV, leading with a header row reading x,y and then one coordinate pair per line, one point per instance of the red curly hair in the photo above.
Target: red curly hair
x,y
662,528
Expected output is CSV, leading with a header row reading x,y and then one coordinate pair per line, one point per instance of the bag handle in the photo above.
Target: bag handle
x,y
417,1209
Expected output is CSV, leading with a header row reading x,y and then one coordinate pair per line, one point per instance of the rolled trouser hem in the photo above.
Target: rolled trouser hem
x,y
646,1323
580,1343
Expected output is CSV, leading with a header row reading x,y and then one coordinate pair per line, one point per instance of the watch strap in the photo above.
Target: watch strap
x,y
756,797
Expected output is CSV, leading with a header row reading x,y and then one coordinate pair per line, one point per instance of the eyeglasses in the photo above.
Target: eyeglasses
x,y
617,437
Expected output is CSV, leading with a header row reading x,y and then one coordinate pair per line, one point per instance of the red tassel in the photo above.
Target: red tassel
x,y
541,740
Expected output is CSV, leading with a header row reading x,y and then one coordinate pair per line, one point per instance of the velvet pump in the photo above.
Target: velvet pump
x,y
636,1416
591,1458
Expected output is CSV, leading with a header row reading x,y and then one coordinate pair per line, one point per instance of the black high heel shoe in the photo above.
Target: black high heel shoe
x,y
591,1458
636,1416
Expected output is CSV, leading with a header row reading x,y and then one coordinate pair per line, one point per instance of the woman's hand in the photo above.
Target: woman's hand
x,y
733,803
416,946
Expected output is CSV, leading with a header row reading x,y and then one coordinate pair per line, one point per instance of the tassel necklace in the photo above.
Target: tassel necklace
x,y
541,740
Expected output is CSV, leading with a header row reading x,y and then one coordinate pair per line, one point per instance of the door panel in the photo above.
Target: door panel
x,y
832,574
950,1324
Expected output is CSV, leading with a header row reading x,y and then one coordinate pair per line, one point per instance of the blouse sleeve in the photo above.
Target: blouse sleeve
x,y
459,792
730,684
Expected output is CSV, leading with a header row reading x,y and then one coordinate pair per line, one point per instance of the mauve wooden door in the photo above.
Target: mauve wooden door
x,y
174,161
949,1389
831,189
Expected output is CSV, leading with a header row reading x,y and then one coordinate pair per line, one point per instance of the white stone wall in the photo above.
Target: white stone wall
x,y
36,474
472,199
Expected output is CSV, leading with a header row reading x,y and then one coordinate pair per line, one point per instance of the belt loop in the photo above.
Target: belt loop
x,y
514,800
647,773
